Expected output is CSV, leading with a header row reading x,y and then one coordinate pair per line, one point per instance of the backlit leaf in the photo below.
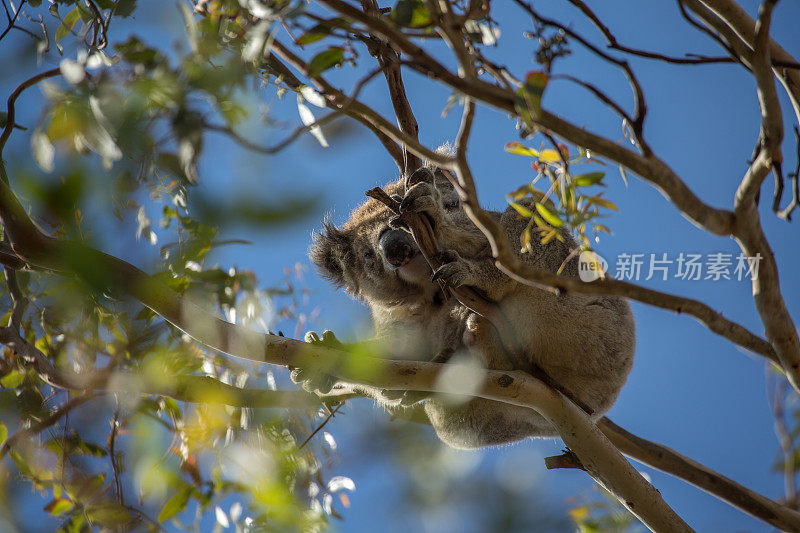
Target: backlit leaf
x,y
320,31
518,148
548,215
175,504
521,209
591,178
412,13
67,23
58,506
597,200
326,59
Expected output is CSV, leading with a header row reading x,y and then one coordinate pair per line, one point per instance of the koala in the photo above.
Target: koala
x,y
585,343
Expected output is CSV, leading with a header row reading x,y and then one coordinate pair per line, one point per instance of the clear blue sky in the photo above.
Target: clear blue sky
x,y
689,389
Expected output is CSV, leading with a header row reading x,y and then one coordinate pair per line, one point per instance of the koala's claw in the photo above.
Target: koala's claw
x,y
446,256
421,198
455,272
328,339
421,175
311,379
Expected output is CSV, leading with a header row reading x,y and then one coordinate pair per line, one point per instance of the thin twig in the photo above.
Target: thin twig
x,y
322,425
10,107
112,441
45,423
640,106
11,20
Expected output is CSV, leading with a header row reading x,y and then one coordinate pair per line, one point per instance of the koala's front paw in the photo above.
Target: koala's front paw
x,y
328,339
422,195
455,271
313,379
422,198
421,175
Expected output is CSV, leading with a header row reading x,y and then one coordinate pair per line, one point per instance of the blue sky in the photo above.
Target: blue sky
x,y
689,389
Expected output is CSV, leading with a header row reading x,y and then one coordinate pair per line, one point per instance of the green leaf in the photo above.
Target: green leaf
x,y
329,58
521,209
73,444
549,236
3,433
591,178
82,489
13,379
412,13
549,156
600,227
110,515
59,506
320,31
67,23
549,216
521,192
125,8
171,407
175,505
528,102
518,148
597,200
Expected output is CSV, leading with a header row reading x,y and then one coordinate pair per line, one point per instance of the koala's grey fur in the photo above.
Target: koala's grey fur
x,y
585,343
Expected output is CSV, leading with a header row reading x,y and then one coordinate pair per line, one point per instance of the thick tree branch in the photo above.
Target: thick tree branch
x,y
600,458
399,375
389,60
651,169
668,460
339,100
748,232
780,330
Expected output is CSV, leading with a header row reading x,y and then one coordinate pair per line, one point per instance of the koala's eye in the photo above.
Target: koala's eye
x,y
369,254
451,204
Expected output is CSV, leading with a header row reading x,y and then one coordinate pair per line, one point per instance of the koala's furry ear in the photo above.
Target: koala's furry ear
x,y
328,248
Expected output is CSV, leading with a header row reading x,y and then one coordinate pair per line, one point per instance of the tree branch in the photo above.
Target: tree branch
x,y
738,28
12,99
45,423
595,452
389,60
668,460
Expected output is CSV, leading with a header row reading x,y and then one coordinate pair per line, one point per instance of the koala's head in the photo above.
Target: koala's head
x,y
371,260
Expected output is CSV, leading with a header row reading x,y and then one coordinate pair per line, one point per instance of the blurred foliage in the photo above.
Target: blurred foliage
x,y
120,143
604,514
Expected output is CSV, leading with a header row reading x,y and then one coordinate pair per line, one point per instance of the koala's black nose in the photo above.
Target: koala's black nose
x,y
398,247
